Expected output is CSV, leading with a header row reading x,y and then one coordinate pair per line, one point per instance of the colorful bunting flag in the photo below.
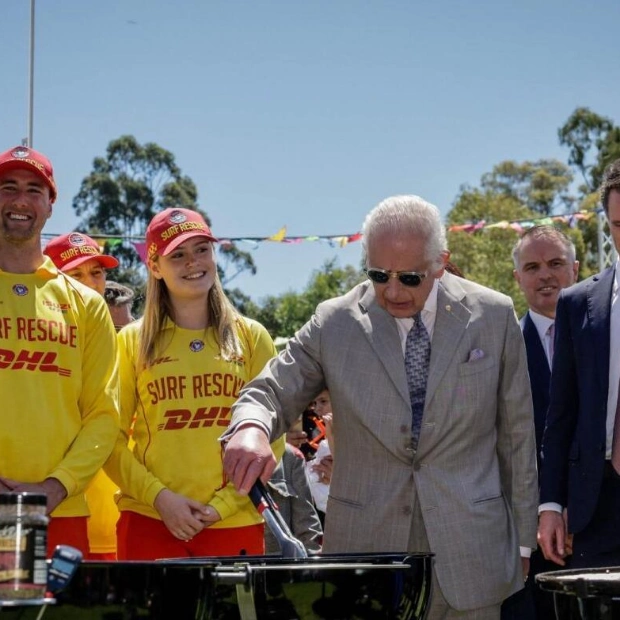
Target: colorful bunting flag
x,y
571,219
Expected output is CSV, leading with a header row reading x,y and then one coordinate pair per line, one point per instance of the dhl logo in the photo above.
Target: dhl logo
x,y
178,419
56,306
31,360
164,360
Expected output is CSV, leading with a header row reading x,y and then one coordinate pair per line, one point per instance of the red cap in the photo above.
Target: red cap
x,y
24,158
172,227
71,250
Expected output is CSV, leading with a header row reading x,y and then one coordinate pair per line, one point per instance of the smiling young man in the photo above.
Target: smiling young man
x,y
57,359
433,418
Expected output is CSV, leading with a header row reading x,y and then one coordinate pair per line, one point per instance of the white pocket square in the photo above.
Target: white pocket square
x,y
475,354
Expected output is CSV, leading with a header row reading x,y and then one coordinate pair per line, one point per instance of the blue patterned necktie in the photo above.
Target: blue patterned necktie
x,y
417,361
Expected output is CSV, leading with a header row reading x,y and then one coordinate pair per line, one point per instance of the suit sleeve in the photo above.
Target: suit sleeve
x,y
562,413
279,394
516,445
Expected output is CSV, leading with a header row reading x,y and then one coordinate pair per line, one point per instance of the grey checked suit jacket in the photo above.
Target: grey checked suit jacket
x,y
474,472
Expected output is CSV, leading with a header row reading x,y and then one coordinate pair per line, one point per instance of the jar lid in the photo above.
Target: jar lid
x,y
31,499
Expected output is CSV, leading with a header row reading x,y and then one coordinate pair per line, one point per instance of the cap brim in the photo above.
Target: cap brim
x,y
18,164
105,260
175,243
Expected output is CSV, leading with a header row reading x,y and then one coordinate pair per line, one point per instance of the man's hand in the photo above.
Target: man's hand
x,y
179,514
51,487
552,536
248,456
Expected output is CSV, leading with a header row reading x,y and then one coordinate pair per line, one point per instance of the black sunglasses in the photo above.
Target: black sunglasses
x,y
407,278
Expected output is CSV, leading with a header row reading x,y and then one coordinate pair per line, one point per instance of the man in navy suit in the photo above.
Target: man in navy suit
x,y
544,260
580,459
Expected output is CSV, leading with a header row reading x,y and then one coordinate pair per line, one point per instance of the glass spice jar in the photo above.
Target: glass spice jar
x,y
23,545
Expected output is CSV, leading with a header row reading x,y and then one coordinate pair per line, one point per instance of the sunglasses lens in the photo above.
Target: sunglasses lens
x,y
377,276
410,279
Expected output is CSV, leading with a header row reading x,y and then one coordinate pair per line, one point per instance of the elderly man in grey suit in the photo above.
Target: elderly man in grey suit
x,y
442,459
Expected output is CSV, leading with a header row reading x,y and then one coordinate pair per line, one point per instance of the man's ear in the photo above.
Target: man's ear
x,y
444,257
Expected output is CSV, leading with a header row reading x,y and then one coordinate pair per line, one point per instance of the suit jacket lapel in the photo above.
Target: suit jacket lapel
x,y
536,356
382,334
599,299
450,324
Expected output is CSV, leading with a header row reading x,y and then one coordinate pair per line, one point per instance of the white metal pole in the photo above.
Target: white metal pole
x,y
31,77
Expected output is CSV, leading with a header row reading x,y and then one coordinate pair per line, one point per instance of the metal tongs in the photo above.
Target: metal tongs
x,y
268,509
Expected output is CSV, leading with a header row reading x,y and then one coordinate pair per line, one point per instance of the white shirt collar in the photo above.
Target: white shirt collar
x,y
429,313
542,323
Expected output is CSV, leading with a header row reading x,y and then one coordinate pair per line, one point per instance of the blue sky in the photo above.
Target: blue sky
x,y
305,113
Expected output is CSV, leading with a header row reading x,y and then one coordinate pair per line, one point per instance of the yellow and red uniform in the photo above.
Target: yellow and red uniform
x,y
59,381
100,496
181,405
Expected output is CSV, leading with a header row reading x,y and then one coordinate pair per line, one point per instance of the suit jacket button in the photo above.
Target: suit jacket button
x,y
404,429
407,510
416,466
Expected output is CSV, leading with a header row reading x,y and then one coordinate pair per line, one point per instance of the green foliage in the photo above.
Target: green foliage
x,y
593,142
486,256
125,189
542,186
283,315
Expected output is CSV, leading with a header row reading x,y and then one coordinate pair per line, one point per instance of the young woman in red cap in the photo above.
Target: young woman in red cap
x,y
182,366
80,257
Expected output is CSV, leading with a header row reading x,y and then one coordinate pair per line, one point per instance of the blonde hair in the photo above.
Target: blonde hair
x,y
158,307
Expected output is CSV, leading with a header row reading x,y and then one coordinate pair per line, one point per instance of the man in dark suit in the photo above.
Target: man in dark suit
x,y
544,260
580,459
460,481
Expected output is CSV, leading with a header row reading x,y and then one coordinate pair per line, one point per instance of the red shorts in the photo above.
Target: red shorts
x,y
70,531
145,538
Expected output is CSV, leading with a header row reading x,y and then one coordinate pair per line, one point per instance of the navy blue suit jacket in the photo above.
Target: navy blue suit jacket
x,y
574,438
540,376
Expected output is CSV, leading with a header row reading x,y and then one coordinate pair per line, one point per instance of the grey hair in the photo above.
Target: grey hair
x,y
408,215
544,232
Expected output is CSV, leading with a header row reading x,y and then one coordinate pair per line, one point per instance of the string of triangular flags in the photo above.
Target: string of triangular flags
x,y
570,219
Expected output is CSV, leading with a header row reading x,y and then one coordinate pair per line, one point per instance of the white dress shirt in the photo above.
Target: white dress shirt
x,y
614,360
429,313
542,324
